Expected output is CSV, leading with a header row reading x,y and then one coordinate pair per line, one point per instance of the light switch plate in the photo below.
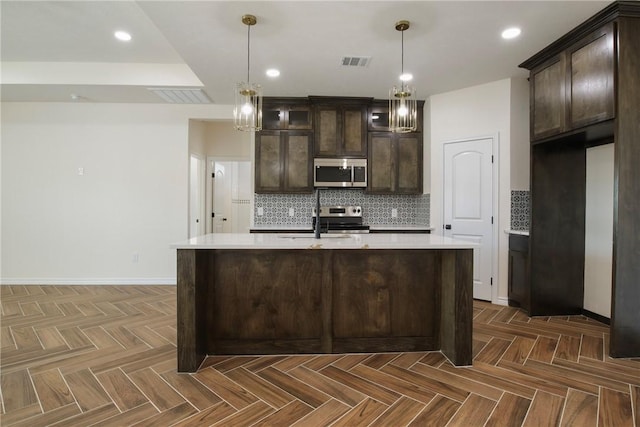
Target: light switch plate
x,y
260,211
394,213
291,212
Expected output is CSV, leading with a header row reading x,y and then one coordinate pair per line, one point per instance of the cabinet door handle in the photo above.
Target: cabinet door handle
x,y
447,227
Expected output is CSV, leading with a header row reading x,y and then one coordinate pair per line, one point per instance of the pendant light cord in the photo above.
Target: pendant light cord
x,y
248,51
402,50
402,61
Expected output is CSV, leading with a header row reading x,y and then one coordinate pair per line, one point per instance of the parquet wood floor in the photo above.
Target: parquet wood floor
x,y
106,356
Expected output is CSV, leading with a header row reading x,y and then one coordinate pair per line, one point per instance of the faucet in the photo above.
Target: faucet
x,y
317,227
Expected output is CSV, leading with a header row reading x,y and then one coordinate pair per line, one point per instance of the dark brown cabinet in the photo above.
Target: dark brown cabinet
x,y
519,271
378,117
340,126
591,63
286,114
395,163
601,105
284,162
575,87
548,98
295,130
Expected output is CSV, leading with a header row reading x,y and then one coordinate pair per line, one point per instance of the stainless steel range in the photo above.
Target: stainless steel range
x,y
340,219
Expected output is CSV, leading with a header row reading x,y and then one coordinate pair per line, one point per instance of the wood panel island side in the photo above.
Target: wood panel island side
x,y
244,294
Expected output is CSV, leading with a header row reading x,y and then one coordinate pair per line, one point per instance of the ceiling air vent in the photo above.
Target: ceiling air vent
x,y
181,96
356,61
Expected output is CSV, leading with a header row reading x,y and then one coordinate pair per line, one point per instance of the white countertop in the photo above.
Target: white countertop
x,y
400,227
303,228
327,241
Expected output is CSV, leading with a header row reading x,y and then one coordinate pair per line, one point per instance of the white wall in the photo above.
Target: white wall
x,y
479,111
62,227
224,141
198,138
599,230
520,141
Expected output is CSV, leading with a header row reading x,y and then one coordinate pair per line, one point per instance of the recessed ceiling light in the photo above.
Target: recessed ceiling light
x,y
122,36
272,72
406,77
511,33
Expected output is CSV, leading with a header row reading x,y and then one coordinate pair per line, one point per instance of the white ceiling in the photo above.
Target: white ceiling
x,y
52,49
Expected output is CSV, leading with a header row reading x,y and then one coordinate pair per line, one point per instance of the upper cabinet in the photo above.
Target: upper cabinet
x,y
395,163
284,162
378,118
548,98
340,126
575,87
295,130
591,62
286,114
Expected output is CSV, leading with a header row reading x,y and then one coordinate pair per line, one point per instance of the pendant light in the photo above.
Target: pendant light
x,y
247,113
403,107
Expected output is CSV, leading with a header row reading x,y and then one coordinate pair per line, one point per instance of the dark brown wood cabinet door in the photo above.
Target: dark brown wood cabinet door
x,y
326,129
548,98
268,162
299,117
377,295
409,163
592,81
272,117
298,162
519,271
380,165
378,118
354,130
265,295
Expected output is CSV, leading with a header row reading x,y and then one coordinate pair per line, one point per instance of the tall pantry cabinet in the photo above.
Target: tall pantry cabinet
x,y
585,91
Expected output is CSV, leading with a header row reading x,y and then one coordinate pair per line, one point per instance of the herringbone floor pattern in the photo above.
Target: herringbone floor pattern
x,y
106,356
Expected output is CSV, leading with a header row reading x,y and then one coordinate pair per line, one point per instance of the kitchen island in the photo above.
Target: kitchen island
x,y
291,293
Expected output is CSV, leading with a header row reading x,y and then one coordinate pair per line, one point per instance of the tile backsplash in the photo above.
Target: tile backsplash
x,y
413,210
520,209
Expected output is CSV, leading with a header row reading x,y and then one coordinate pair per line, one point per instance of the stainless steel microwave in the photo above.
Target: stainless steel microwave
x,y
344,173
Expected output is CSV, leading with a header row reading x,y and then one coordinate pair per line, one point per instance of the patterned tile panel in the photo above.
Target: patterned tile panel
x,y
520,209
413,210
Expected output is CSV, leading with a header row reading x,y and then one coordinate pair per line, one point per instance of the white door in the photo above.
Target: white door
x,y
196,196
231,196
468,205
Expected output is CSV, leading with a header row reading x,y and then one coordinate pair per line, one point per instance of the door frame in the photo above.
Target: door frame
x,y
209,186
495,205
200,195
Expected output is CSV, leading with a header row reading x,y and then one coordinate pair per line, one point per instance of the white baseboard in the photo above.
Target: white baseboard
x,y
501,301
89,281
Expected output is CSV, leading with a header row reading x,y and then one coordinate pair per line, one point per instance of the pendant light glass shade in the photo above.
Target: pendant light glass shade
x,y
403,105
403,109
247,113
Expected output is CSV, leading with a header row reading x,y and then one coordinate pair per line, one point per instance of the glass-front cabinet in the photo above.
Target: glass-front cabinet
x,y
286,114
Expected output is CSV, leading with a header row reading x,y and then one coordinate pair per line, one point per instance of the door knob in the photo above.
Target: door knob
x,y
447,226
